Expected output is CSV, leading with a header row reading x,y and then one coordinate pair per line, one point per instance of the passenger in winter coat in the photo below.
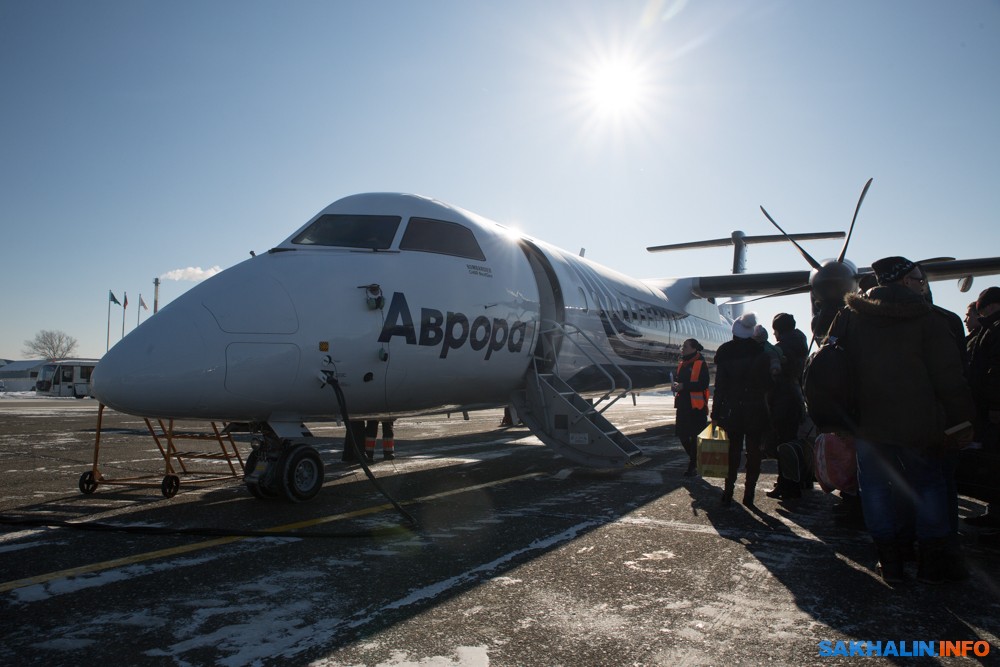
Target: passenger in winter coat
x,y
983,466
742,380
909,389
787,404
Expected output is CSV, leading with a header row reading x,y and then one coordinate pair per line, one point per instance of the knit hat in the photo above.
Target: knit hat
x,y
783,322
988,296
759,334
744,324
890,269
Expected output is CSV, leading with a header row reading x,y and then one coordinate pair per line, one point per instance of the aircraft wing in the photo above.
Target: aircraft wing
x,y
752,284
797,282
960,268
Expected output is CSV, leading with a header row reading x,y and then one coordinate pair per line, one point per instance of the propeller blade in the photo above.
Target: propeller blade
x,y
812,262
843,251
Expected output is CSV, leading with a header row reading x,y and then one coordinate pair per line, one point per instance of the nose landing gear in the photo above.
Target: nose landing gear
x,y
283,469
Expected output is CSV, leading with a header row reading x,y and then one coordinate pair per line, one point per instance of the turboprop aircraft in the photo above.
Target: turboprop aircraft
x,y
385,305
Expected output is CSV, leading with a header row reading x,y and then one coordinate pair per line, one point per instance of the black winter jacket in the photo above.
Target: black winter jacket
x,y
742,380
909,378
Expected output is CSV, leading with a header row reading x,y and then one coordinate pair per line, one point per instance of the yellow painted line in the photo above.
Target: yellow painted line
x,y
176,551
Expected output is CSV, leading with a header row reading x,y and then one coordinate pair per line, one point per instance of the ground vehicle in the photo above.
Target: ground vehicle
x,y
66,377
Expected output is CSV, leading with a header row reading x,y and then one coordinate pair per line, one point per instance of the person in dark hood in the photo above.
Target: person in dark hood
x,y
786,403
972,324
910,390
742,380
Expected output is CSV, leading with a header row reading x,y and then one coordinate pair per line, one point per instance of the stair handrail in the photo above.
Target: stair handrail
x,y
562,328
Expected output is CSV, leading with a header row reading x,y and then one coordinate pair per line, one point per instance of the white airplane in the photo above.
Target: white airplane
x,y
386,305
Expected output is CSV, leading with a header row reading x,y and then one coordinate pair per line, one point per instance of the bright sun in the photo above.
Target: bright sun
x,y
616,88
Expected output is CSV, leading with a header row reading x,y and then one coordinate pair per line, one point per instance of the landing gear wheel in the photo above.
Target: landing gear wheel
x,y
256,489
301,474
171,484
87,482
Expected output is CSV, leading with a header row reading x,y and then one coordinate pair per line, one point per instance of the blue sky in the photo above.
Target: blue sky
x,y
143,138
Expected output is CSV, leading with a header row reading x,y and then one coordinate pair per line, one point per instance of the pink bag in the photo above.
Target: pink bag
x,y
836,462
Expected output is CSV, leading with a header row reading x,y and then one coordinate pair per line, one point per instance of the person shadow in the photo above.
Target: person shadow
x,y
829,572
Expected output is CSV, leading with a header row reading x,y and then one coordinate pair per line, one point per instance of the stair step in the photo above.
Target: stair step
x,y
574,426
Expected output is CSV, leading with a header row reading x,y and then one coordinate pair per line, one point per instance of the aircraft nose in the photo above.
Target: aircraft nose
x,y
160,369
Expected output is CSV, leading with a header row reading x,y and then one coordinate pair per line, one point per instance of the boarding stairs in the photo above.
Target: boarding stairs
x,y
563,419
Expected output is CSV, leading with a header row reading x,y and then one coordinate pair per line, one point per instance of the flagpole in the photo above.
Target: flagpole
x,y
138,310
123,314
108,347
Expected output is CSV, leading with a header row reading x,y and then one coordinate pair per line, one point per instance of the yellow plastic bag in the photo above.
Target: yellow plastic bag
x,y
713,452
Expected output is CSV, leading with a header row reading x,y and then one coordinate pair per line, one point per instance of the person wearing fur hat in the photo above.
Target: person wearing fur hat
x,y
742,380
910,389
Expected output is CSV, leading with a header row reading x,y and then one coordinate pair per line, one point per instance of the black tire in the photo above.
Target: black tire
x,y
255,488
170,486
301,474
87,483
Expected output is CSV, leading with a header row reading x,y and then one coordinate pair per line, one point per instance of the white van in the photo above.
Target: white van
x,y
66,377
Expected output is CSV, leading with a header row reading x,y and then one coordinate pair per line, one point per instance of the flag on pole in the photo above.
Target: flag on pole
x,y
112,299
143,303
125,303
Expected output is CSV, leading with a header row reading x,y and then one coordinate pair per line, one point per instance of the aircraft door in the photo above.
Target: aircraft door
x,y
552,307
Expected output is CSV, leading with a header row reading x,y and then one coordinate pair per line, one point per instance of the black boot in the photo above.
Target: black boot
x,y
748,497
933,561
727,494
790,489
890,562
956,569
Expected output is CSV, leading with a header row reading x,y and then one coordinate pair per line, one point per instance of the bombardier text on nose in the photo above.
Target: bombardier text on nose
x,y
408,305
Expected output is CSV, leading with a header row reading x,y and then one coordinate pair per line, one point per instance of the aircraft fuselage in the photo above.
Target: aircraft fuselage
x,y
412,304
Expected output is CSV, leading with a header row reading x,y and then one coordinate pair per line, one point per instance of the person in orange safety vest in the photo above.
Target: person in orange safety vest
x,y
388,440
690,388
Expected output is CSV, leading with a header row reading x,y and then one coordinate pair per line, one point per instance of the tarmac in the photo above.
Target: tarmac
x,y
513,556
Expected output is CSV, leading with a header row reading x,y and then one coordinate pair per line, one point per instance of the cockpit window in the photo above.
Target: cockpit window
x,y
351,231
445,238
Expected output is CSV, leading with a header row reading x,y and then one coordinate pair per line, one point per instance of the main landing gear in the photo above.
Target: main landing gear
x,y
280,468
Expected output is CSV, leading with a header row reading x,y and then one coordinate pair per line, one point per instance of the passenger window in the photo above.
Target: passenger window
x,y
374,232
438,236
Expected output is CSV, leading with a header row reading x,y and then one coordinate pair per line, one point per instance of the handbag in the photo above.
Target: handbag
x,y
836,462
713,452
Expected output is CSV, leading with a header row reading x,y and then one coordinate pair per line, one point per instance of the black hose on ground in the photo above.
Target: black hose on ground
x,y
353,443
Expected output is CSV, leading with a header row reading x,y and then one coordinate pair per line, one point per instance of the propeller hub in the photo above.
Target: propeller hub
x,y
833,280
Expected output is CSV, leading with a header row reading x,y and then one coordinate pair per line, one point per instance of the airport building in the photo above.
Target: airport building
x,y
21,375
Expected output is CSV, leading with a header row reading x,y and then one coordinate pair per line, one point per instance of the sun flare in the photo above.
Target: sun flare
x,y
616,88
